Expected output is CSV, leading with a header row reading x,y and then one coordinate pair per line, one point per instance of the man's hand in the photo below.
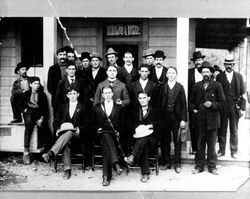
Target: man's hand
x,y
195,111
118,101
99,130
183,124
77,130
39,122
208,104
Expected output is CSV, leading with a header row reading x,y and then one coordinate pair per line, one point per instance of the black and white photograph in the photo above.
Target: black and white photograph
x,y
121,98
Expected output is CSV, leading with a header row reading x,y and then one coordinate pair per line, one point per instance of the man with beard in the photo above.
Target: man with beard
x,y
233,86
194,76
20,86
111,56
55,74
207,98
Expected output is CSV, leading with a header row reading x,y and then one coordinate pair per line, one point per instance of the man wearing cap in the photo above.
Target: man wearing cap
x,y
55,74
158,74
71,122
207,98
148,55
146,122
112,57
34,106
20,86
233,86
194,76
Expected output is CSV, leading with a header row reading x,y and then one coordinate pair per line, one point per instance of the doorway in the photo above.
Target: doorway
x,y
121,49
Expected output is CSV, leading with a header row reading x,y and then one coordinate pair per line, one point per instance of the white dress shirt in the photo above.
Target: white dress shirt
x,y
94,72
158,72
129,68
229,76
72,108
108,107
197,76
72,79
143,83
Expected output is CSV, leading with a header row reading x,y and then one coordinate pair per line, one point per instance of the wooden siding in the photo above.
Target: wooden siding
x,y
162,36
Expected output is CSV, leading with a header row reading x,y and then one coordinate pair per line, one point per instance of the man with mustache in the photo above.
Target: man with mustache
x,y
112,57
19,87
55,74
233,86
207,98
194,76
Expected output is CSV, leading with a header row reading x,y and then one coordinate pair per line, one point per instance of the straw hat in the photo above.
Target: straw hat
x,y
142,131
229,59
66,126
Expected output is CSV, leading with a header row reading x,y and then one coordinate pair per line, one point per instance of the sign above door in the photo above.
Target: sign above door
x,y
123,30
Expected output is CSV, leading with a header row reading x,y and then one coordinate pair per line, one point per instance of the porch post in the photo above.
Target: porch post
x,y
182,58
49,49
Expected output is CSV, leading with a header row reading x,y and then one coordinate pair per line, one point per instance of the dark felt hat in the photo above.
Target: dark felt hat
x,y
85,55
197,55
159,53
33,79
206,64
21,65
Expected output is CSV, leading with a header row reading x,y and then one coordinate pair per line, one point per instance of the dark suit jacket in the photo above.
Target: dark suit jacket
x,y
240,89
42,102
128,78
100,119
180,103
191,81
54,76
152,117
214,93
80,117
60,96
16,88
93,83
120,92
162,78
136,86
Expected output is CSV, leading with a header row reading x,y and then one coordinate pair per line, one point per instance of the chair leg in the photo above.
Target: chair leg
x,y
55,164
157,166
83,159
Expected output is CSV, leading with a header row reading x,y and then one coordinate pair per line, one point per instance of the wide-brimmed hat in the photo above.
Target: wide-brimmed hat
x,y
217,68
229,59
85,55
96,54
21,65
110,52
148,52
142,131
159,53
206,64
197,55
66,126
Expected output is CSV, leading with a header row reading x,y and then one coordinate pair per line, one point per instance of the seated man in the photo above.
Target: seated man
x,y
71,114
106,117
34,106
20,86
147,135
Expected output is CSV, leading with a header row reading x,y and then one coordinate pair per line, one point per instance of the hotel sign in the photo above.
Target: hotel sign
x,y
123,30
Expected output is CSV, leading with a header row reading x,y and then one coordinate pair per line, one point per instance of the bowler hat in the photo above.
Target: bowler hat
x,y
96,54
197,55
206,64
21,65
148,52
85,55
229,59
159,53
110,52
66,126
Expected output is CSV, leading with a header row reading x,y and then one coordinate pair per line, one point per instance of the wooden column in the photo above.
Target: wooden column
x,y
248,76
49,49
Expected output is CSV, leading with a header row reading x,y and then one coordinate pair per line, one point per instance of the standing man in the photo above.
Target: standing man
x,y
55,74
34,106
158,75
206,100
70,54
233,86
112,57
20,86
174,112
70,127
106,118
194,76
148,55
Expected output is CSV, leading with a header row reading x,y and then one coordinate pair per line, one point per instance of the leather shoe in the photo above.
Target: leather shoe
x,y
177,169
105,181
220,154
234,155
118,169
144,178
26,159
195,171
14,121
67,174
46,157
214,172
129,159
166,167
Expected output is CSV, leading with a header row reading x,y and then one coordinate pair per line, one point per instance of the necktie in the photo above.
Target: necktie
x,y
111,83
